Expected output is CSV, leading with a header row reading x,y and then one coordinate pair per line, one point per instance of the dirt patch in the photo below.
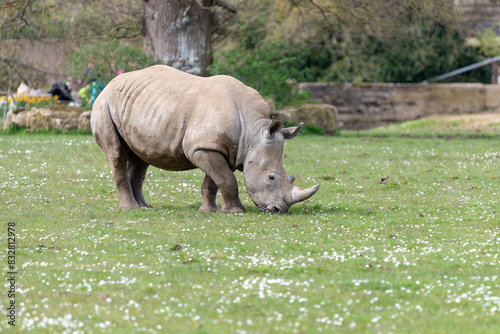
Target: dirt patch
x,y
472,122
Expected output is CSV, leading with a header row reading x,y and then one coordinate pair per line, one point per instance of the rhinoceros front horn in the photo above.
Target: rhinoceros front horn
x,y
299,195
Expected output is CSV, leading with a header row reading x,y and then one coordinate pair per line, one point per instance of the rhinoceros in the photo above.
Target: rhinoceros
x,y
176,121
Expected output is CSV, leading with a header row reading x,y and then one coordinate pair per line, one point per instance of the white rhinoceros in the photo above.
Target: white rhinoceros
x,y
176,121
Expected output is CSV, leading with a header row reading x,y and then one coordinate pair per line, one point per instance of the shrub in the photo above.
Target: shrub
x,y
266,65
416,51
415,41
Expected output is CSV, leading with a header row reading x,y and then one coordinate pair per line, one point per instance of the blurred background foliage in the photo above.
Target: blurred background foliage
x,y
267,43
346,41
106,59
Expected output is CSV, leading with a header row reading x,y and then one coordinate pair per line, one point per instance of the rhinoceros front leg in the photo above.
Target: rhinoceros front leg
x,y
136,174
215,166
208,194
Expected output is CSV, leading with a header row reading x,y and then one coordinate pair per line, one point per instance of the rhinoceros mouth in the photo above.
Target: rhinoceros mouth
x,y
273,208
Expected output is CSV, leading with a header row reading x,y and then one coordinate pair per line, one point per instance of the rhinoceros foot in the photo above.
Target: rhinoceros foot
x,y
128,206
228,208
232,207
206,208
145,205
134,206
139,197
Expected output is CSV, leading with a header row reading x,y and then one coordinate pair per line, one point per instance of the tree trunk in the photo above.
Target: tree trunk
x,y
177,32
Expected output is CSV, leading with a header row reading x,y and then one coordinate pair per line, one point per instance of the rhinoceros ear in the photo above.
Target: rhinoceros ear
x,y
290,133
274,127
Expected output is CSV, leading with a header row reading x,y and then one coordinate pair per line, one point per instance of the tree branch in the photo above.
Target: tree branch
x,y
225,5
322,13
220,3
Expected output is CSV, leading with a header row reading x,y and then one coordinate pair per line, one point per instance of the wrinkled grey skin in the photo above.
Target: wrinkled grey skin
x,y
176,121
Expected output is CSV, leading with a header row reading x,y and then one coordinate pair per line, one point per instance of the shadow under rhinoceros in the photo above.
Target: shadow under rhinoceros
x,y
307,209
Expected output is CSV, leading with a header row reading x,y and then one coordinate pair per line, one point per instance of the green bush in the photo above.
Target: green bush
x,y
488,41
412,54
266,65
414,46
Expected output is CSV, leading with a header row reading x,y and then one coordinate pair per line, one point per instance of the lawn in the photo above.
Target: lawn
x,y
402,237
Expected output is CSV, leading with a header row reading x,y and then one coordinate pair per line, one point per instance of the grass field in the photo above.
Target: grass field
x,y
402,237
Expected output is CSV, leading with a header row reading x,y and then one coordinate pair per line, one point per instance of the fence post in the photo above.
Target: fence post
x,y
494,73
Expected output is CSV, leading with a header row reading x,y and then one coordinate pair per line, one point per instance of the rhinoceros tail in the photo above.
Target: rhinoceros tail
x,y
104,129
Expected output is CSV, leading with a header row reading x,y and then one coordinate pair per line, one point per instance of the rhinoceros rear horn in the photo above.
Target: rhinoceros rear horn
x,y
299,195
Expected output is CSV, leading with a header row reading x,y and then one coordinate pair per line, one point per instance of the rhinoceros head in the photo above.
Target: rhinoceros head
x,y
268,184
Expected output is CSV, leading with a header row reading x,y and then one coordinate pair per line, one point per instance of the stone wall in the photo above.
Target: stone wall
x,y
319,115
62,118
368,105
41,62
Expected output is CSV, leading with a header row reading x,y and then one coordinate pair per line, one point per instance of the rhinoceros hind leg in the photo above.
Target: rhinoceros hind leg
x,y
119,168
116,151
136,170
215,166
208,194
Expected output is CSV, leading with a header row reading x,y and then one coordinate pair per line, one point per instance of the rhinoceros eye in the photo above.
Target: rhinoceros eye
x,y
271,177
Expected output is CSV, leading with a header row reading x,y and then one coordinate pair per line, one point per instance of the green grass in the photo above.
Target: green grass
x,y
415,253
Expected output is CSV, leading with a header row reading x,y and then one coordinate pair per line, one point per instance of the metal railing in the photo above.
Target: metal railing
x,y
468,68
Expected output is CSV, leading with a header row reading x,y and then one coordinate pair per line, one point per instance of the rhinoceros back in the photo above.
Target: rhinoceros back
x,y
164,115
